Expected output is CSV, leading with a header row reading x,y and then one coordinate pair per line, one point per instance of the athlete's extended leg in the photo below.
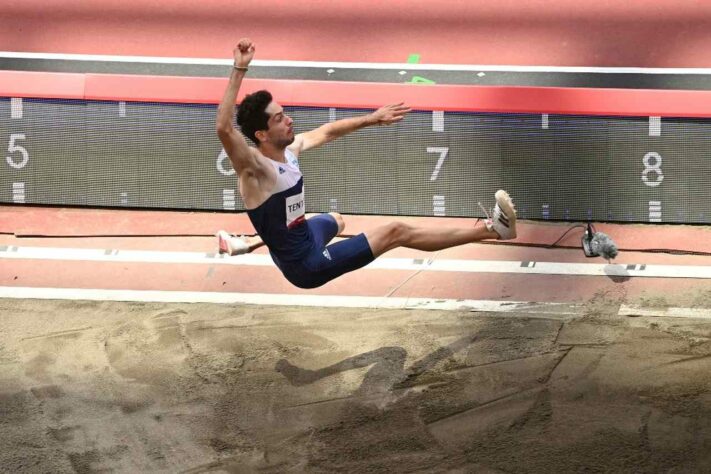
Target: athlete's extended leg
x,y
399,234
502,225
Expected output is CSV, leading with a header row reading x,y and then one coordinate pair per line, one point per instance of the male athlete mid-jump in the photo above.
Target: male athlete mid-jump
x,y
271,186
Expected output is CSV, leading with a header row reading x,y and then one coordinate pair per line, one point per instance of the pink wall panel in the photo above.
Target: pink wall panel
x,y
653,33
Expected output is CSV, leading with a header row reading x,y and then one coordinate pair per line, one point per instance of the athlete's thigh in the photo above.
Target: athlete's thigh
x,y
339,258
323,228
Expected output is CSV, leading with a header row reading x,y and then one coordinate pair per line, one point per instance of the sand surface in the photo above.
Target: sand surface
x,y
94,387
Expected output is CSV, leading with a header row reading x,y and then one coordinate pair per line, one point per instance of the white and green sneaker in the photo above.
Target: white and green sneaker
x,y
503,218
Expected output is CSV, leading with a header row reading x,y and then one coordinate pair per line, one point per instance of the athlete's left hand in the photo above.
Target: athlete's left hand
x,y
389,114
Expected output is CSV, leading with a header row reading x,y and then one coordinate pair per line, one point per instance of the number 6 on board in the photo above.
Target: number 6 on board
x,y
220,167
11,148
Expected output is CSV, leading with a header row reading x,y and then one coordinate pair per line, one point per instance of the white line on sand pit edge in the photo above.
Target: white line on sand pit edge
x,y
527,309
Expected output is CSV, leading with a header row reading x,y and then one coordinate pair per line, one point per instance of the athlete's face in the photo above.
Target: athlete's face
x,y
281,130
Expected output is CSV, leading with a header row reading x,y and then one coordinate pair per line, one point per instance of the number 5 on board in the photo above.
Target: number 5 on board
x,y
11,148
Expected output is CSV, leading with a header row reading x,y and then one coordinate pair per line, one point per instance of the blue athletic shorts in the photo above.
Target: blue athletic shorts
x,y
326,262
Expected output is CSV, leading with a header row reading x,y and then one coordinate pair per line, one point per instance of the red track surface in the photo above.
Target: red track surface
x,y
68,222
166,230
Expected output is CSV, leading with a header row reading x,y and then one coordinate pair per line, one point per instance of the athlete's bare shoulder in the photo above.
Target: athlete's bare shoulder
x,y
257,181
258,164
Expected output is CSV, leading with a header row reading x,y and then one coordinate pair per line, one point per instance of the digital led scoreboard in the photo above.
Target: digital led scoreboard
x,y
439,161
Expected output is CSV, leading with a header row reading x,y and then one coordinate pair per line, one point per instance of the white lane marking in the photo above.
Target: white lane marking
x,y
692,313
544,121
353,65
442,265
122,108
655,126
530,308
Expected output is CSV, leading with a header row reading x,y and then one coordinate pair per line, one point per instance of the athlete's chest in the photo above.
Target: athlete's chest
x,y
277,178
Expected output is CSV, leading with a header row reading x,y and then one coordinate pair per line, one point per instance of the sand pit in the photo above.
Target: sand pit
x,y
133,387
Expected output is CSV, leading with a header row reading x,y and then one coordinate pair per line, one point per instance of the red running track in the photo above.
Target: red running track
x,y
165,231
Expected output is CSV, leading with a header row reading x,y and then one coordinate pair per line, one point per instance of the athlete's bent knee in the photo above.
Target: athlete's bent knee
x,y
388,237
339,220
397,233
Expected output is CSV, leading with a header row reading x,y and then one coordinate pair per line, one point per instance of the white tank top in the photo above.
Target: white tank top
x,y
287,176
280,219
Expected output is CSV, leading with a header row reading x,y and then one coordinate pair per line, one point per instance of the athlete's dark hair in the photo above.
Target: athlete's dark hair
x,y
251,115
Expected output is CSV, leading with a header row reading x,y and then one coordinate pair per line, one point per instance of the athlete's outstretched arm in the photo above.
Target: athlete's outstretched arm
x,y
235,145
385,115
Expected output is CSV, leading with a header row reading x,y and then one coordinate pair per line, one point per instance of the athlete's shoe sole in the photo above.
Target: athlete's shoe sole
x,y
504,221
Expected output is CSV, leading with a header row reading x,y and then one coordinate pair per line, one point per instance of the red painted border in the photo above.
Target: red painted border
x,y
554,100
41,84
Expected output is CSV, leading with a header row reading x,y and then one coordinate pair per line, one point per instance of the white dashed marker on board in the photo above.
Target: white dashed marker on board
x,y
655,211
544,121
333,204
655,126
16,107
438,207
228,199
122,109
332,114
18,193
124,199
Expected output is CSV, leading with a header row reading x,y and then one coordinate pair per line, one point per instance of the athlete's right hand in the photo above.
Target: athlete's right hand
x,y
244,52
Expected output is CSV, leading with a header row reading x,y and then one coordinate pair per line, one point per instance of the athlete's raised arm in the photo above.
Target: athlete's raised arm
x,y
242,156
385,115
